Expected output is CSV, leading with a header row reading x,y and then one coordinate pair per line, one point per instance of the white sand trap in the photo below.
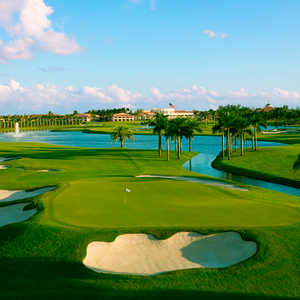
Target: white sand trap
x,y
2,167
15,214
142,254
198,180
7,196
46,171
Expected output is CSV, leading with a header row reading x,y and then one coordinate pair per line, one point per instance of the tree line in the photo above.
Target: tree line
x,y
172,130
234,123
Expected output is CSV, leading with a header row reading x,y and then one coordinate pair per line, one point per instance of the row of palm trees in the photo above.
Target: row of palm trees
x,y
236,123
172,130
39,122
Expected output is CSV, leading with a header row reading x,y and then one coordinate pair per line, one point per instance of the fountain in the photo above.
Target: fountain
x,y
17,130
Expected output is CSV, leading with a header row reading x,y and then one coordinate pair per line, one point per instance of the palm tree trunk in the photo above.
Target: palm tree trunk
x,y
235,144
178,147
190,143
228,144
180,144
122,143
223,146
255,136
175,142
168,149
242,144
159,145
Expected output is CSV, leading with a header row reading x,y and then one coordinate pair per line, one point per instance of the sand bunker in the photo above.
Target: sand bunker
x,y
143,254
3,167
15,214
7,196
198,180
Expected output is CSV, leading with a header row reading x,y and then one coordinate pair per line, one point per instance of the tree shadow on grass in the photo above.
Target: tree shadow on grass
x,y
69,153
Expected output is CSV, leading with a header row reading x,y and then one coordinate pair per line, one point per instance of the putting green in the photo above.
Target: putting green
x,y
164,203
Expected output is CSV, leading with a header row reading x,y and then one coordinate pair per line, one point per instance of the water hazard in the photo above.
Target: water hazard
x,y
208,148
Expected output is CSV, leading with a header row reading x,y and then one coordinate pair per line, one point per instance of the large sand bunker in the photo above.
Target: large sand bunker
x,y
2,167
143,254
197,180
8,196
15,214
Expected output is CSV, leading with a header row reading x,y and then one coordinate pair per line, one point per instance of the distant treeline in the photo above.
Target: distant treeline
x,y
272,115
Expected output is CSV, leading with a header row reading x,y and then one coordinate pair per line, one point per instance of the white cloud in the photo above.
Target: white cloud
x,y
29,28
40,98
240,93
211,34
96,93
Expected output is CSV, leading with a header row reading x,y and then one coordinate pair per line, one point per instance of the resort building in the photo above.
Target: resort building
x,y
171,113
85,117
123,117
267,108
146,115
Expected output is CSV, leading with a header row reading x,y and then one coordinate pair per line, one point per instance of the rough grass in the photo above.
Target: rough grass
x,y
41,258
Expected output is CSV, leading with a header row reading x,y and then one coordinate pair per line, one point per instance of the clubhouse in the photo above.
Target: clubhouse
x,y
170,112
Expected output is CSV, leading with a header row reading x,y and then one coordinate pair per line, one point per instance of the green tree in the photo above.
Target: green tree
x,y
159,124
257,121
122,133
190,126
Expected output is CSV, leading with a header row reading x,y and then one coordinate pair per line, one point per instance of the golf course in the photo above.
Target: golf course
x,y
43,256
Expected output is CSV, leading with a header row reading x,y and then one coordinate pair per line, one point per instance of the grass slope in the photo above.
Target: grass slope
x,y
41,258
269,163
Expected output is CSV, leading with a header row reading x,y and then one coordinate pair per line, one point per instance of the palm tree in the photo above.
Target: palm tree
x,y
178,132
226,118
241,125
159,124
170,131
220,129
121,133
296,165
189,128
257,122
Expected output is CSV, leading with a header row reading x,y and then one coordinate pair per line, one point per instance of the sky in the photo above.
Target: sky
x,y
63,55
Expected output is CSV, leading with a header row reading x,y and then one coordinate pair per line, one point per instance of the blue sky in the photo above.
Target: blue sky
x,y
63,55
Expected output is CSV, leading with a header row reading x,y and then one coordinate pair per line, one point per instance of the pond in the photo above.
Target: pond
x,y
208,148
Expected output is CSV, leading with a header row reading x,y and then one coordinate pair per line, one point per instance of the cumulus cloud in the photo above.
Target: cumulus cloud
x,y
40,98
29,28
211,34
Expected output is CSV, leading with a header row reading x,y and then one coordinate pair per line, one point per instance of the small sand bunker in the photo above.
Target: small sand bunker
x,y
15,214
7,195
2,167
46,171
143,254
198,180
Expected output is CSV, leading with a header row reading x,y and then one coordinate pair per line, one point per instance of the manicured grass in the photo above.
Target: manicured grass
x,y
286,138
41,258
269,163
